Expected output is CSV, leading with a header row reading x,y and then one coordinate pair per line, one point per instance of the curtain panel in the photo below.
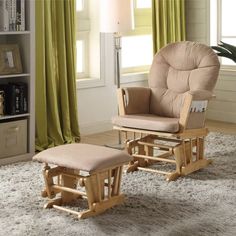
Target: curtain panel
x,y
56,101
168,22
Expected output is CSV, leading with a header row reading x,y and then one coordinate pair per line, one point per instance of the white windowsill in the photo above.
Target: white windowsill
x,y
134,77
89,83
228,71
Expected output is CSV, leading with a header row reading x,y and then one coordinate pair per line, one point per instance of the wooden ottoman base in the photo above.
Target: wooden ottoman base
x,y
101,189
83,171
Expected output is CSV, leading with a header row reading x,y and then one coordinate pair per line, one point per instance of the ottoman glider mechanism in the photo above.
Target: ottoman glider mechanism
x,y
96,169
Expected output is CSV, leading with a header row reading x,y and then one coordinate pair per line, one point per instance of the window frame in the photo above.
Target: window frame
x,y
219,37
83,32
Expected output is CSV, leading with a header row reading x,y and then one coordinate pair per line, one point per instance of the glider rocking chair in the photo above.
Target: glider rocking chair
x,y
167,120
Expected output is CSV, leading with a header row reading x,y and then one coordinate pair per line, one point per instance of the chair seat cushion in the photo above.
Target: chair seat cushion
x,y
84,157
148,122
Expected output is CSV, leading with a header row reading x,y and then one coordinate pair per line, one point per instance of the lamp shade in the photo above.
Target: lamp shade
x,y
116,16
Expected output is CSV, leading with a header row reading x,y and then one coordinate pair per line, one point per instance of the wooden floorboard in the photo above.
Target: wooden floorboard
x,y
111,137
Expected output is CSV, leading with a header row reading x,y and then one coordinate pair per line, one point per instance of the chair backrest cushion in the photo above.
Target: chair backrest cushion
x,y
176,69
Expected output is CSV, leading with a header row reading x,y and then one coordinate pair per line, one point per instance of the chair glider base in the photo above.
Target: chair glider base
x,y
185,150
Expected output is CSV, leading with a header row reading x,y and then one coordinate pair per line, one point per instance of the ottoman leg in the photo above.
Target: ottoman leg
x,y
69,182
99,200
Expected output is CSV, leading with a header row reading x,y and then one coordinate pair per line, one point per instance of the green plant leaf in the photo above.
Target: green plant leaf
x,y
227,55
225,50
229,47
220,49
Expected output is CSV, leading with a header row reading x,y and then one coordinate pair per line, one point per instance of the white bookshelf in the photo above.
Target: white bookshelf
x,y
26,41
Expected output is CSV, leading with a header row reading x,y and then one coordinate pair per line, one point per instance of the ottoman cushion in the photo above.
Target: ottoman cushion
x,y
84,157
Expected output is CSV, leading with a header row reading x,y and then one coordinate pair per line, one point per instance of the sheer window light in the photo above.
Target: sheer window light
x,y
137,46
222,16
80,56
136,51
143,3
228,16
79,5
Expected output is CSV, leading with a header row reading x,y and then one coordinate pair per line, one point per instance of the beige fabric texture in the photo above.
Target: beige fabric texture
x,y
201,95
177,69
84,157
148,122
137,100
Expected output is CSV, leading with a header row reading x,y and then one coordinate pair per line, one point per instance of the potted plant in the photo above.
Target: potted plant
x,y
225,50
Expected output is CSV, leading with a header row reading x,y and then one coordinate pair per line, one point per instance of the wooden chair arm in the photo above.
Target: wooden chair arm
x,y
121,101
185,111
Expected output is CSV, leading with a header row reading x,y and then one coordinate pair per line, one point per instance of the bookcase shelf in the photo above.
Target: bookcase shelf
x,y
14,32
26,43
14,75
6,117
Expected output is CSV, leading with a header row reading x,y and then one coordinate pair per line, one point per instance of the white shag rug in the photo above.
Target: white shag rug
x,y
203,203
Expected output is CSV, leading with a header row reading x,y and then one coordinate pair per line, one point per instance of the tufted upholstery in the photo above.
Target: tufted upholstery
x,y
177,69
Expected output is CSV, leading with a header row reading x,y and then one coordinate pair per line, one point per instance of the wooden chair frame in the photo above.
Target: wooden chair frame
x,y
187,148
102,189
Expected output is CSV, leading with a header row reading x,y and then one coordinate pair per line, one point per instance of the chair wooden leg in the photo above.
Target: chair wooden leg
x,y
199,162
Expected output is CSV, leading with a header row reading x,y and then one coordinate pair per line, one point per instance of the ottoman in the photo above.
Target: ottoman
x,y
83,171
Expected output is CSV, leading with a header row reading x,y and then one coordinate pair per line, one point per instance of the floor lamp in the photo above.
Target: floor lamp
x,y
116,16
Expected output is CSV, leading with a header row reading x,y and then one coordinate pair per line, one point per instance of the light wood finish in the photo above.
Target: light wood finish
x,y
121,103
184,114
110,137
185,140
94,185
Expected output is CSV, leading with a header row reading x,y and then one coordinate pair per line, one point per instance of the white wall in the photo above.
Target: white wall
x,y
197,17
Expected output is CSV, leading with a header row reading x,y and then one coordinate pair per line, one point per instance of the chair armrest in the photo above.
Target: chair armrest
x,y
190,97
134,100
201,95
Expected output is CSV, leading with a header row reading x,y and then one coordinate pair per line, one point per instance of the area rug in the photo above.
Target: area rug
x,y
204,203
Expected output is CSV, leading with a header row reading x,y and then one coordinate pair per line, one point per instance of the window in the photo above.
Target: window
x,y
137,45
87,40
222,20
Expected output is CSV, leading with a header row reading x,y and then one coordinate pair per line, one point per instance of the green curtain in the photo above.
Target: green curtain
x,y
56,102
168,17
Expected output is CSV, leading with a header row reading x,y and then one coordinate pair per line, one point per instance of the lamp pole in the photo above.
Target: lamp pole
x,y
117,38
116,16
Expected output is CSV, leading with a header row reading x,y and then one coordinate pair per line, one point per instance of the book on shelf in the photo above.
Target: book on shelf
x,y
12,15
5,14
2,99
16,99
20,15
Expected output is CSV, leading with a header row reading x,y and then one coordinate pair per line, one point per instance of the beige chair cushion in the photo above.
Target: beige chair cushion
x,y
137,100
84,157
178,68
148,122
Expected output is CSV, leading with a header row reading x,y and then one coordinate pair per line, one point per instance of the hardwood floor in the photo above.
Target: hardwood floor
x,y
111,137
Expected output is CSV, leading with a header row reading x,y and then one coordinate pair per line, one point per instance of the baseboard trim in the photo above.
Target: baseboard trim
x,y
221,116
14,159
95,127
